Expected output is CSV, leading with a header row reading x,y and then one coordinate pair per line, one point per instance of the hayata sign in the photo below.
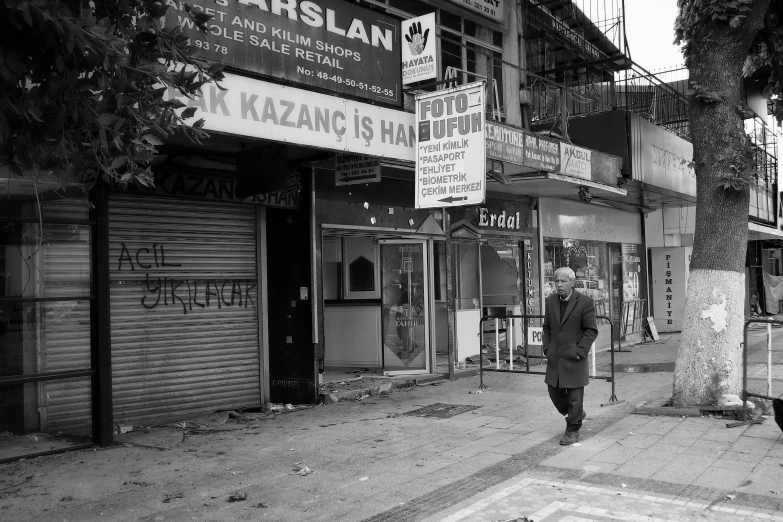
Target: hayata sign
x,y
330,44
419,52
257,109
450,153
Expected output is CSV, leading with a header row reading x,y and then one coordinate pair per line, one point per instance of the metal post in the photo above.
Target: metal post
x,y
613,398
450,304
497,343
510,343
592,352
769,359
481,354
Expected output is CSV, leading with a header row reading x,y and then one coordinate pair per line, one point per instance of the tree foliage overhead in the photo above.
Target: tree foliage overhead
x,y
82,85
756,24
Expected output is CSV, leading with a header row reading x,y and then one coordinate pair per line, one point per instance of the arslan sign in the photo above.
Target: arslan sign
x,y
419,52
268,111
330,44
450,153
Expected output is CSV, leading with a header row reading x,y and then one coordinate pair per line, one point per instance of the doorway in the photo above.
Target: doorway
x,y
292,369
405,306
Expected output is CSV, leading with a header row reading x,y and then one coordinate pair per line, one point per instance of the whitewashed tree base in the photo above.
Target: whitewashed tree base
x,y
709,360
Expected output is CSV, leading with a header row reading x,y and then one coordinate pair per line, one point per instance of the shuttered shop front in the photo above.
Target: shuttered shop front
x,y
184,307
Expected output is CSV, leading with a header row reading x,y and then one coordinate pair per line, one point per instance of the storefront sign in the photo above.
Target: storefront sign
x,y
330,44
535,336
541,153
490,8
503,220
450,154
350,169
419,52
505,143
575,161
274,112
670,267
661,158
191,186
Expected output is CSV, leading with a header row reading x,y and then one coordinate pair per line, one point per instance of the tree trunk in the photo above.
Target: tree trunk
x,y
709,360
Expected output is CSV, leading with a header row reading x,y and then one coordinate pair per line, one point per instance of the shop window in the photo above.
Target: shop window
x,y
361,275
45,324
351,268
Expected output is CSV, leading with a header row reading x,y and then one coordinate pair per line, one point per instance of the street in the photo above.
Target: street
x,y
494,458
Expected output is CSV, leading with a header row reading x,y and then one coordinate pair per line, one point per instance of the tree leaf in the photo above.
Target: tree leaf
x,y
152,139
189,112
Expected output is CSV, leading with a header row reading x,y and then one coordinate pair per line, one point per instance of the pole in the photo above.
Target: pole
x,y
745,373
769,359
510,343
450,308
497,343
592,352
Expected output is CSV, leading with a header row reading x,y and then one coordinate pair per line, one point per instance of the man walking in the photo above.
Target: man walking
x,y
569,332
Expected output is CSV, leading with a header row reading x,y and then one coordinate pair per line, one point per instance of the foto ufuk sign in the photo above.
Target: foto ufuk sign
x,y
450,152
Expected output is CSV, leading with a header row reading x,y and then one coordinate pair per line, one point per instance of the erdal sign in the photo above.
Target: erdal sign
x,y
258,109
489,8
502,220
331,44
419,51
450,154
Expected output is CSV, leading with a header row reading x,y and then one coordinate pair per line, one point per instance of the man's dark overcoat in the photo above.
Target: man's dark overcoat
x,y
566,337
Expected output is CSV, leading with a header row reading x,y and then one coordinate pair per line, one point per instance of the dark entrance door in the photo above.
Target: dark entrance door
x,y
291,349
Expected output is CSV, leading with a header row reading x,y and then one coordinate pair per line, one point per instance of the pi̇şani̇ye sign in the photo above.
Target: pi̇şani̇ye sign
x,y
331,44
450,152
419,52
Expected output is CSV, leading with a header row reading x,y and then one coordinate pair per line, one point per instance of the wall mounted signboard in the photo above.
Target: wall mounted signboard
x,y
330,44
505,143
419,50
490,8
352,169
450,153
541,153
258,109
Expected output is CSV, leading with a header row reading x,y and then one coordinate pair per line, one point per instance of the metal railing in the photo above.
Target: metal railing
x,y
745,392
510,343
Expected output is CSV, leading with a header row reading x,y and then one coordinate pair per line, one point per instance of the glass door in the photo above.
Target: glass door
x,y
405,306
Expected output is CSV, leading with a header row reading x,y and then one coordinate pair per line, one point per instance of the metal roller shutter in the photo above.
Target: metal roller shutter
x,y
184,307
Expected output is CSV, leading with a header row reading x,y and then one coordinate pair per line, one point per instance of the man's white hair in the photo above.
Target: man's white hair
x,y
567,271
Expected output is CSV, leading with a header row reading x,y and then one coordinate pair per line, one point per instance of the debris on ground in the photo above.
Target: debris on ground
x,y
260,505
237,497
169,498
301,469
729,497
363,479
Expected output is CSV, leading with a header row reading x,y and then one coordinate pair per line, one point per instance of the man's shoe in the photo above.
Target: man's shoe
x,y
571,437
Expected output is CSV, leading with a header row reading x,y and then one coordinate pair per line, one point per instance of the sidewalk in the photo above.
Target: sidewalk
x,y
477,456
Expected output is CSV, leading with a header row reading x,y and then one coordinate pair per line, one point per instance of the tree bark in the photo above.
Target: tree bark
x,y
709,359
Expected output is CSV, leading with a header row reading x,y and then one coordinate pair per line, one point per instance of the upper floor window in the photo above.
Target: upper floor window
x,y
464,45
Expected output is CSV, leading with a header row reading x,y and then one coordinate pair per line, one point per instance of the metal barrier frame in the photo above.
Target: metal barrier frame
x,y
745,392
612,399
